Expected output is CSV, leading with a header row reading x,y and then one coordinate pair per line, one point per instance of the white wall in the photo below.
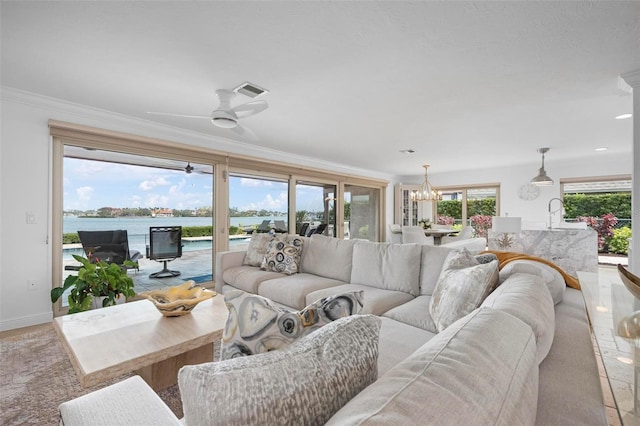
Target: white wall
x,y
25,187
512,177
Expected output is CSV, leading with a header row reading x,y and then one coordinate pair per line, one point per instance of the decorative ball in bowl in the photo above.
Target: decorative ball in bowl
x,y
179,300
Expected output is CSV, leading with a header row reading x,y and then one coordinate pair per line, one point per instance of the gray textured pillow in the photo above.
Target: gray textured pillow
x,y
256,325
303,384
463,285
257,249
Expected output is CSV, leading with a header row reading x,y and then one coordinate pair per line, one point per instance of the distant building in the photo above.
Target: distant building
x,y
162,213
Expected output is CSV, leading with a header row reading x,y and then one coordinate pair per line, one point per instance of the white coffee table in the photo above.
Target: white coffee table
x,y
135,337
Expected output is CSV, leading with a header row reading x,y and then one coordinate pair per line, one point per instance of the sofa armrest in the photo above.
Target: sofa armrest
x,y
224,261
129,402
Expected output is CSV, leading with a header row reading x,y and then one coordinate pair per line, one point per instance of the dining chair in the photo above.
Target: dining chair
x,y
415,234
466,233
395,233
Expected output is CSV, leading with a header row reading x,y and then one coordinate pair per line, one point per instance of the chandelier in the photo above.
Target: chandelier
x,y
426,192
542,179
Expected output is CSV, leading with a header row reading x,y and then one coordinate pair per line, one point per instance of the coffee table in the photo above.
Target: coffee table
x,y
136,337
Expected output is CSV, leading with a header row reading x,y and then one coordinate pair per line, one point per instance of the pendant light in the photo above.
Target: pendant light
x,y
542,179
427,192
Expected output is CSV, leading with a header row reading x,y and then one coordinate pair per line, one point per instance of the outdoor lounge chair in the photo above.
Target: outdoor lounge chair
x,y
108,246
265,226
280,226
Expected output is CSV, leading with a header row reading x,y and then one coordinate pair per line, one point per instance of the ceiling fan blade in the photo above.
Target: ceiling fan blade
x,y
244,132
250,108
179,115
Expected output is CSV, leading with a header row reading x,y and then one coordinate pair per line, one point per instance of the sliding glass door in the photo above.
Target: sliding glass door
x,y
108,192
361,212
316,208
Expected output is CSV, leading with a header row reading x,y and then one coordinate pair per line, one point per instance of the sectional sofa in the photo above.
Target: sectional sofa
x,y
518,351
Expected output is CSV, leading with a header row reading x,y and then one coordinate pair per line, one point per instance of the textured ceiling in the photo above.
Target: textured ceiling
x,y
465,84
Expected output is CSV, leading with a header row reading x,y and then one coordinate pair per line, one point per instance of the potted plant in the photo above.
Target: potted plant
x,y
95,279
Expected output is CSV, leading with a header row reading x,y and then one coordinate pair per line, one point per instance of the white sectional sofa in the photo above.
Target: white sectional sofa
x,y
524,356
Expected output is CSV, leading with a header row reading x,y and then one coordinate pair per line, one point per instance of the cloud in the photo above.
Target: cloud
x,y
84,193
280,203
148,185
255,183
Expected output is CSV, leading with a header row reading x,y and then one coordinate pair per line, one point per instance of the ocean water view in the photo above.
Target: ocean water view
x,y
138,228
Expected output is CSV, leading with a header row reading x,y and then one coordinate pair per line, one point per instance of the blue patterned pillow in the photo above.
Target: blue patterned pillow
x,y
257,325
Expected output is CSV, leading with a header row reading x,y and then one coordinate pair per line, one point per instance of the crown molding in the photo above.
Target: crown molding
x,y
87,115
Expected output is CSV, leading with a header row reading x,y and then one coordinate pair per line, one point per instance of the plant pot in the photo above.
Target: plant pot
x,y
96,302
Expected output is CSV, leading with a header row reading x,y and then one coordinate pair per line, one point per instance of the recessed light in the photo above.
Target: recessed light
x,y
603,148
408,151
623,116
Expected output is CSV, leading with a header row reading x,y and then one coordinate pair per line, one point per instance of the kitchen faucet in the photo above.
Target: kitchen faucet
x,y
551,215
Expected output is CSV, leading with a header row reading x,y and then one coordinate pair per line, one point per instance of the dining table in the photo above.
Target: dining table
x,y
437,234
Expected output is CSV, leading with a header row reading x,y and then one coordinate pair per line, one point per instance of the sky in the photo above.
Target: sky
x,y
90,185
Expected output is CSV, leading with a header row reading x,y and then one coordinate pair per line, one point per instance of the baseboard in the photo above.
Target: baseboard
x,y
14,323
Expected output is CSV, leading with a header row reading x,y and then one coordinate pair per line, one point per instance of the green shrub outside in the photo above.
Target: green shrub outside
x,y
453,208
187,231
619,243
619,204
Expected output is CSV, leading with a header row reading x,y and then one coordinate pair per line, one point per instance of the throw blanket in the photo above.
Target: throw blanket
x,y
504,257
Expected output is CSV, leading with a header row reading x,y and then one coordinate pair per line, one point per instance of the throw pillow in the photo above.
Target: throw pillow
x,y
257,249
551,277
463,285
283,256
255,324
303,384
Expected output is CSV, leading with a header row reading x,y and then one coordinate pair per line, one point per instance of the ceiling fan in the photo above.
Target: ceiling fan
x,y
226,117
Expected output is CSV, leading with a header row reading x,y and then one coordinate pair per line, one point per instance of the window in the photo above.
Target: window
x,y
361,208
470,206
258,204
316,207
109,191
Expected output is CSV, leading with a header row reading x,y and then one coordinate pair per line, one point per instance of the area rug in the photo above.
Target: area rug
x,y
200,278
36,376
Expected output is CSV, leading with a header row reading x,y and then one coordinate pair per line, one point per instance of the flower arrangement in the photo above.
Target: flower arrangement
x,y
95,278
425,223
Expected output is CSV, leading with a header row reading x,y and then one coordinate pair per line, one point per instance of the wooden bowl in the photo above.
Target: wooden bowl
x,y
179,300
630,281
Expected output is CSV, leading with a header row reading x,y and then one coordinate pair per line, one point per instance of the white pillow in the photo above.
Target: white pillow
x,y
305,383
463,285
551,277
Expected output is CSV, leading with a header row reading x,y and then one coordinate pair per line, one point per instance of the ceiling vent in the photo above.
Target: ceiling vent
x,y
251,90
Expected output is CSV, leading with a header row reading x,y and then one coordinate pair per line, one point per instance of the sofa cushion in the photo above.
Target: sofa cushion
x,y
433,258
571,367
301,384
292,290
526,297
480,370
463,284
398,341
376,300
551,277
283,256
129,402
415,313
387,266
256,325
248,278
328,257
257,249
